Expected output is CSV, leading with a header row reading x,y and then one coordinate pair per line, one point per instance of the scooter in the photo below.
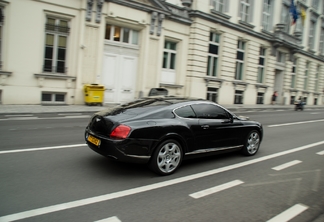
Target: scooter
x,y
299,105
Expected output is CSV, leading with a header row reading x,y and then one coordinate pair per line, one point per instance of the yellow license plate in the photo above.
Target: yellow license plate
x,y
93,140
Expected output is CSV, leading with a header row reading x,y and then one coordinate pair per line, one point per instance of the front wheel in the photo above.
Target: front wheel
x,y
252,143
166,158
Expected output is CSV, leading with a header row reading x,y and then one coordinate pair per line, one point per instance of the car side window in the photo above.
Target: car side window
x,y
209,111
185,112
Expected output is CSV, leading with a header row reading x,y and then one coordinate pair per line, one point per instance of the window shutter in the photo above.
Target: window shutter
x,y
251,11
239,9
227,3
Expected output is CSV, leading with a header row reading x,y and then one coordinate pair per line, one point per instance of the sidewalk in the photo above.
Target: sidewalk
x,y
33,109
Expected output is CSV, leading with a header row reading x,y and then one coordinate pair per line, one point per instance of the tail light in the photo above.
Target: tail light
x,y
120,132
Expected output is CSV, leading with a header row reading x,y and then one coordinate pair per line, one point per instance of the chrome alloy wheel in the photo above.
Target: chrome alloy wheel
x,y
169,157
253,143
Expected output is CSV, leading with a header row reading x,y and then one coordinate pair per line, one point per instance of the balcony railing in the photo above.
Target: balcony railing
x,y
286,37
281,35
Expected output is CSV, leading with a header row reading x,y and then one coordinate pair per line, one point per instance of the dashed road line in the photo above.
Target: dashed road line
x,y
296,123
18,115
320,153
289,213
110,219
286,165
216,189
42,148
43,118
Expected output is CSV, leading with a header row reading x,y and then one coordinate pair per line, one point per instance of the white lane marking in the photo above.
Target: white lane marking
x,y
41,148
42,118
18,115
320,153
295,123
286,165
105,197
69,114
315,113
110,219
22,118
215,189
289,213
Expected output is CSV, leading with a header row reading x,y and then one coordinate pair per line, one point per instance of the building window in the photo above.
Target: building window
x,y
293,73
120,34
306,76
218,5
321,48
212,94
1,30
50,97
56,34
213,54
169,55
238,98
246,10
317,78
260,98
281,57
311,36
240,60
315,4
266,15
292,100
286,17
262,54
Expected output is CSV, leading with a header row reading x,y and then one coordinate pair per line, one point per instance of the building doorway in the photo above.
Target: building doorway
x,y
278,86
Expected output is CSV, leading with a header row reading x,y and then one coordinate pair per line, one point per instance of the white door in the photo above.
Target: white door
x,y
128,77
109,78
118,77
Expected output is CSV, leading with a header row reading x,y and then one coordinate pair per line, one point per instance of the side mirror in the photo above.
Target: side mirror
x,y
229,120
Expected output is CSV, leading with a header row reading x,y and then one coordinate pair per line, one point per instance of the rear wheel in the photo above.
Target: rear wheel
x,y
252,143
166,158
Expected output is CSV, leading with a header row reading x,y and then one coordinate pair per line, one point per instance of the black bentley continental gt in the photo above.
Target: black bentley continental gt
x,y
162,131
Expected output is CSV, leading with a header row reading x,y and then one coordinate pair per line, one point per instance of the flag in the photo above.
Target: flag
x,y
303,15
293,12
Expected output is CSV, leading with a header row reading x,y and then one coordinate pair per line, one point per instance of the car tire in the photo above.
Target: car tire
x,y
252,143
166,158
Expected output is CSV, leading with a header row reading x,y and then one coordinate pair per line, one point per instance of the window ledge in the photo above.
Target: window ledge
x,y
170,85
54,76
4,76
212,78
213,11
238,82
260,85
305,92
4,73
246,24
293,90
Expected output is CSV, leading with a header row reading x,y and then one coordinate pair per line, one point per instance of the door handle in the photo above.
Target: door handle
x,y
205,126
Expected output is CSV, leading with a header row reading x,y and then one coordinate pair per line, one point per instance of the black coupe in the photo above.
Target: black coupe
x,y
162,131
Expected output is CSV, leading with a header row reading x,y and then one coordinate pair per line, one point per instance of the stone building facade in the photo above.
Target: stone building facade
x,y
231,52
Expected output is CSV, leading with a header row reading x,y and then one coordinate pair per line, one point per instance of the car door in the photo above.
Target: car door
x,y
216,127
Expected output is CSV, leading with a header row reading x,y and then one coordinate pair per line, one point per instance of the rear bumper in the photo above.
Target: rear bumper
x,y
128,150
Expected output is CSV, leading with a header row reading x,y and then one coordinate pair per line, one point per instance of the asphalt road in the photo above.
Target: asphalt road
x,y
48,174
